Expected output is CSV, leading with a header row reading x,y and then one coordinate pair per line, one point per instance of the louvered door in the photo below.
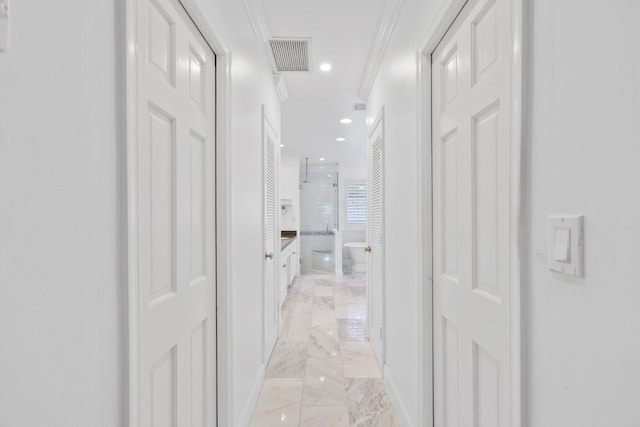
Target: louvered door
x,y
271,238
375,231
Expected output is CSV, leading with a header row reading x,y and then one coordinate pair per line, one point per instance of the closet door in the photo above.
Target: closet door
x,y
271,240
375,231
175,216
471,184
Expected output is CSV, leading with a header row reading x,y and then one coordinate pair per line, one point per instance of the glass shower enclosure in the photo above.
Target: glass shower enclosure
x,y
318,218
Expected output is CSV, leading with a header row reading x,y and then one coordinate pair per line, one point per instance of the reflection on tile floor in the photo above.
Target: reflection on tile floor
x,y
323,371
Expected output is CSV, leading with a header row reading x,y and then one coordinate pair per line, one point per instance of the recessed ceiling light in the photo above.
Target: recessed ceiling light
x,y
341,139
281,145
321,159
346,121
325,67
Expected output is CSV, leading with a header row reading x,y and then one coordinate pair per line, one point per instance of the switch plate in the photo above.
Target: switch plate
x,y
566,244
4,25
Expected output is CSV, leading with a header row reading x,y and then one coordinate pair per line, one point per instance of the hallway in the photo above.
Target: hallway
x,y
138,285
323,371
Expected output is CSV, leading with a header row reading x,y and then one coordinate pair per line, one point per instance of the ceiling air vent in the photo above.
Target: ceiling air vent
x,y
290,54
359,106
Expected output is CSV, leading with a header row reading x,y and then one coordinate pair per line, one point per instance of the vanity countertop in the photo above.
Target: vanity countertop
x,y
287,237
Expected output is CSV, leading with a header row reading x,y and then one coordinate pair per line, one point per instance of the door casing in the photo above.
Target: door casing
x,y
130,58
437,29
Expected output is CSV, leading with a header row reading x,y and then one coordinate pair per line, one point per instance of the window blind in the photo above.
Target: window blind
x,y
356,203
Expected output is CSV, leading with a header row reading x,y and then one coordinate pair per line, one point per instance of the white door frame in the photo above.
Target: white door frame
x,y
437,29
223,206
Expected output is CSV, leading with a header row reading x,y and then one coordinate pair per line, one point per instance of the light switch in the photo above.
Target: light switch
x,y
562,245
566,244
4,25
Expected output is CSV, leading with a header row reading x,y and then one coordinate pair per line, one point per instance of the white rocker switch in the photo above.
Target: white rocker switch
x,y
566,244
562,245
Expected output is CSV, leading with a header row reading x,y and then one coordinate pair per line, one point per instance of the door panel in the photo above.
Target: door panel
x,y
161,149
198,212
163,390
175,216
451,363
471,187
199,357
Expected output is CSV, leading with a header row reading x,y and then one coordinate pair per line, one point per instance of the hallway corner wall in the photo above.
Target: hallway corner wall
x,y
62,227
582,158
63,272
396,89
252,86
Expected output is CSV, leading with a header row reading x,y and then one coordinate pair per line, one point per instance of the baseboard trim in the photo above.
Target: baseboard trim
x,y
398,406
247,412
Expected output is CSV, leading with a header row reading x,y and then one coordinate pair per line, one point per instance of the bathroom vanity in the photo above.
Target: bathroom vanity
x,y
289,261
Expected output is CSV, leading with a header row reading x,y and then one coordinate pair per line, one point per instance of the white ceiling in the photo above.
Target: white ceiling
x,y
342,33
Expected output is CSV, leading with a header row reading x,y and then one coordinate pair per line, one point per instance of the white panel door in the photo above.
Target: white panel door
x,y
175,219
375,231
471,187
271,239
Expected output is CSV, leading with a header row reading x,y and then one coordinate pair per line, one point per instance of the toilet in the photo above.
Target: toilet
x,y
358,256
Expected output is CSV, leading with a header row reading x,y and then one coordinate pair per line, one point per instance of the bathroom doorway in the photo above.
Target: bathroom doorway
x,y
333,219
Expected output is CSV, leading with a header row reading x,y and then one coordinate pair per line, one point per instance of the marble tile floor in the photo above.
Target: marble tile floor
x,y
323,371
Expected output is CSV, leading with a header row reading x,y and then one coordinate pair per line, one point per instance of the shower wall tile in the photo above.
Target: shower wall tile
x,y
318,201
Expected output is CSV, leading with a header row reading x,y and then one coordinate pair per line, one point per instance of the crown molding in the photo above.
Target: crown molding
x,y
379,47
281,87
256,17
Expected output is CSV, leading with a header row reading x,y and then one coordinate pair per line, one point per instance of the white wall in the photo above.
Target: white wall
x,y
582,158
289,188
581,345
63,212
62,306
396,90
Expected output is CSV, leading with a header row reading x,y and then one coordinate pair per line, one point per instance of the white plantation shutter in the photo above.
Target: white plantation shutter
x,y
356,204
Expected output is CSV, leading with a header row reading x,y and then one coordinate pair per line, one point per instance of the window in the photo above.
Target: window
x,y
356,203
